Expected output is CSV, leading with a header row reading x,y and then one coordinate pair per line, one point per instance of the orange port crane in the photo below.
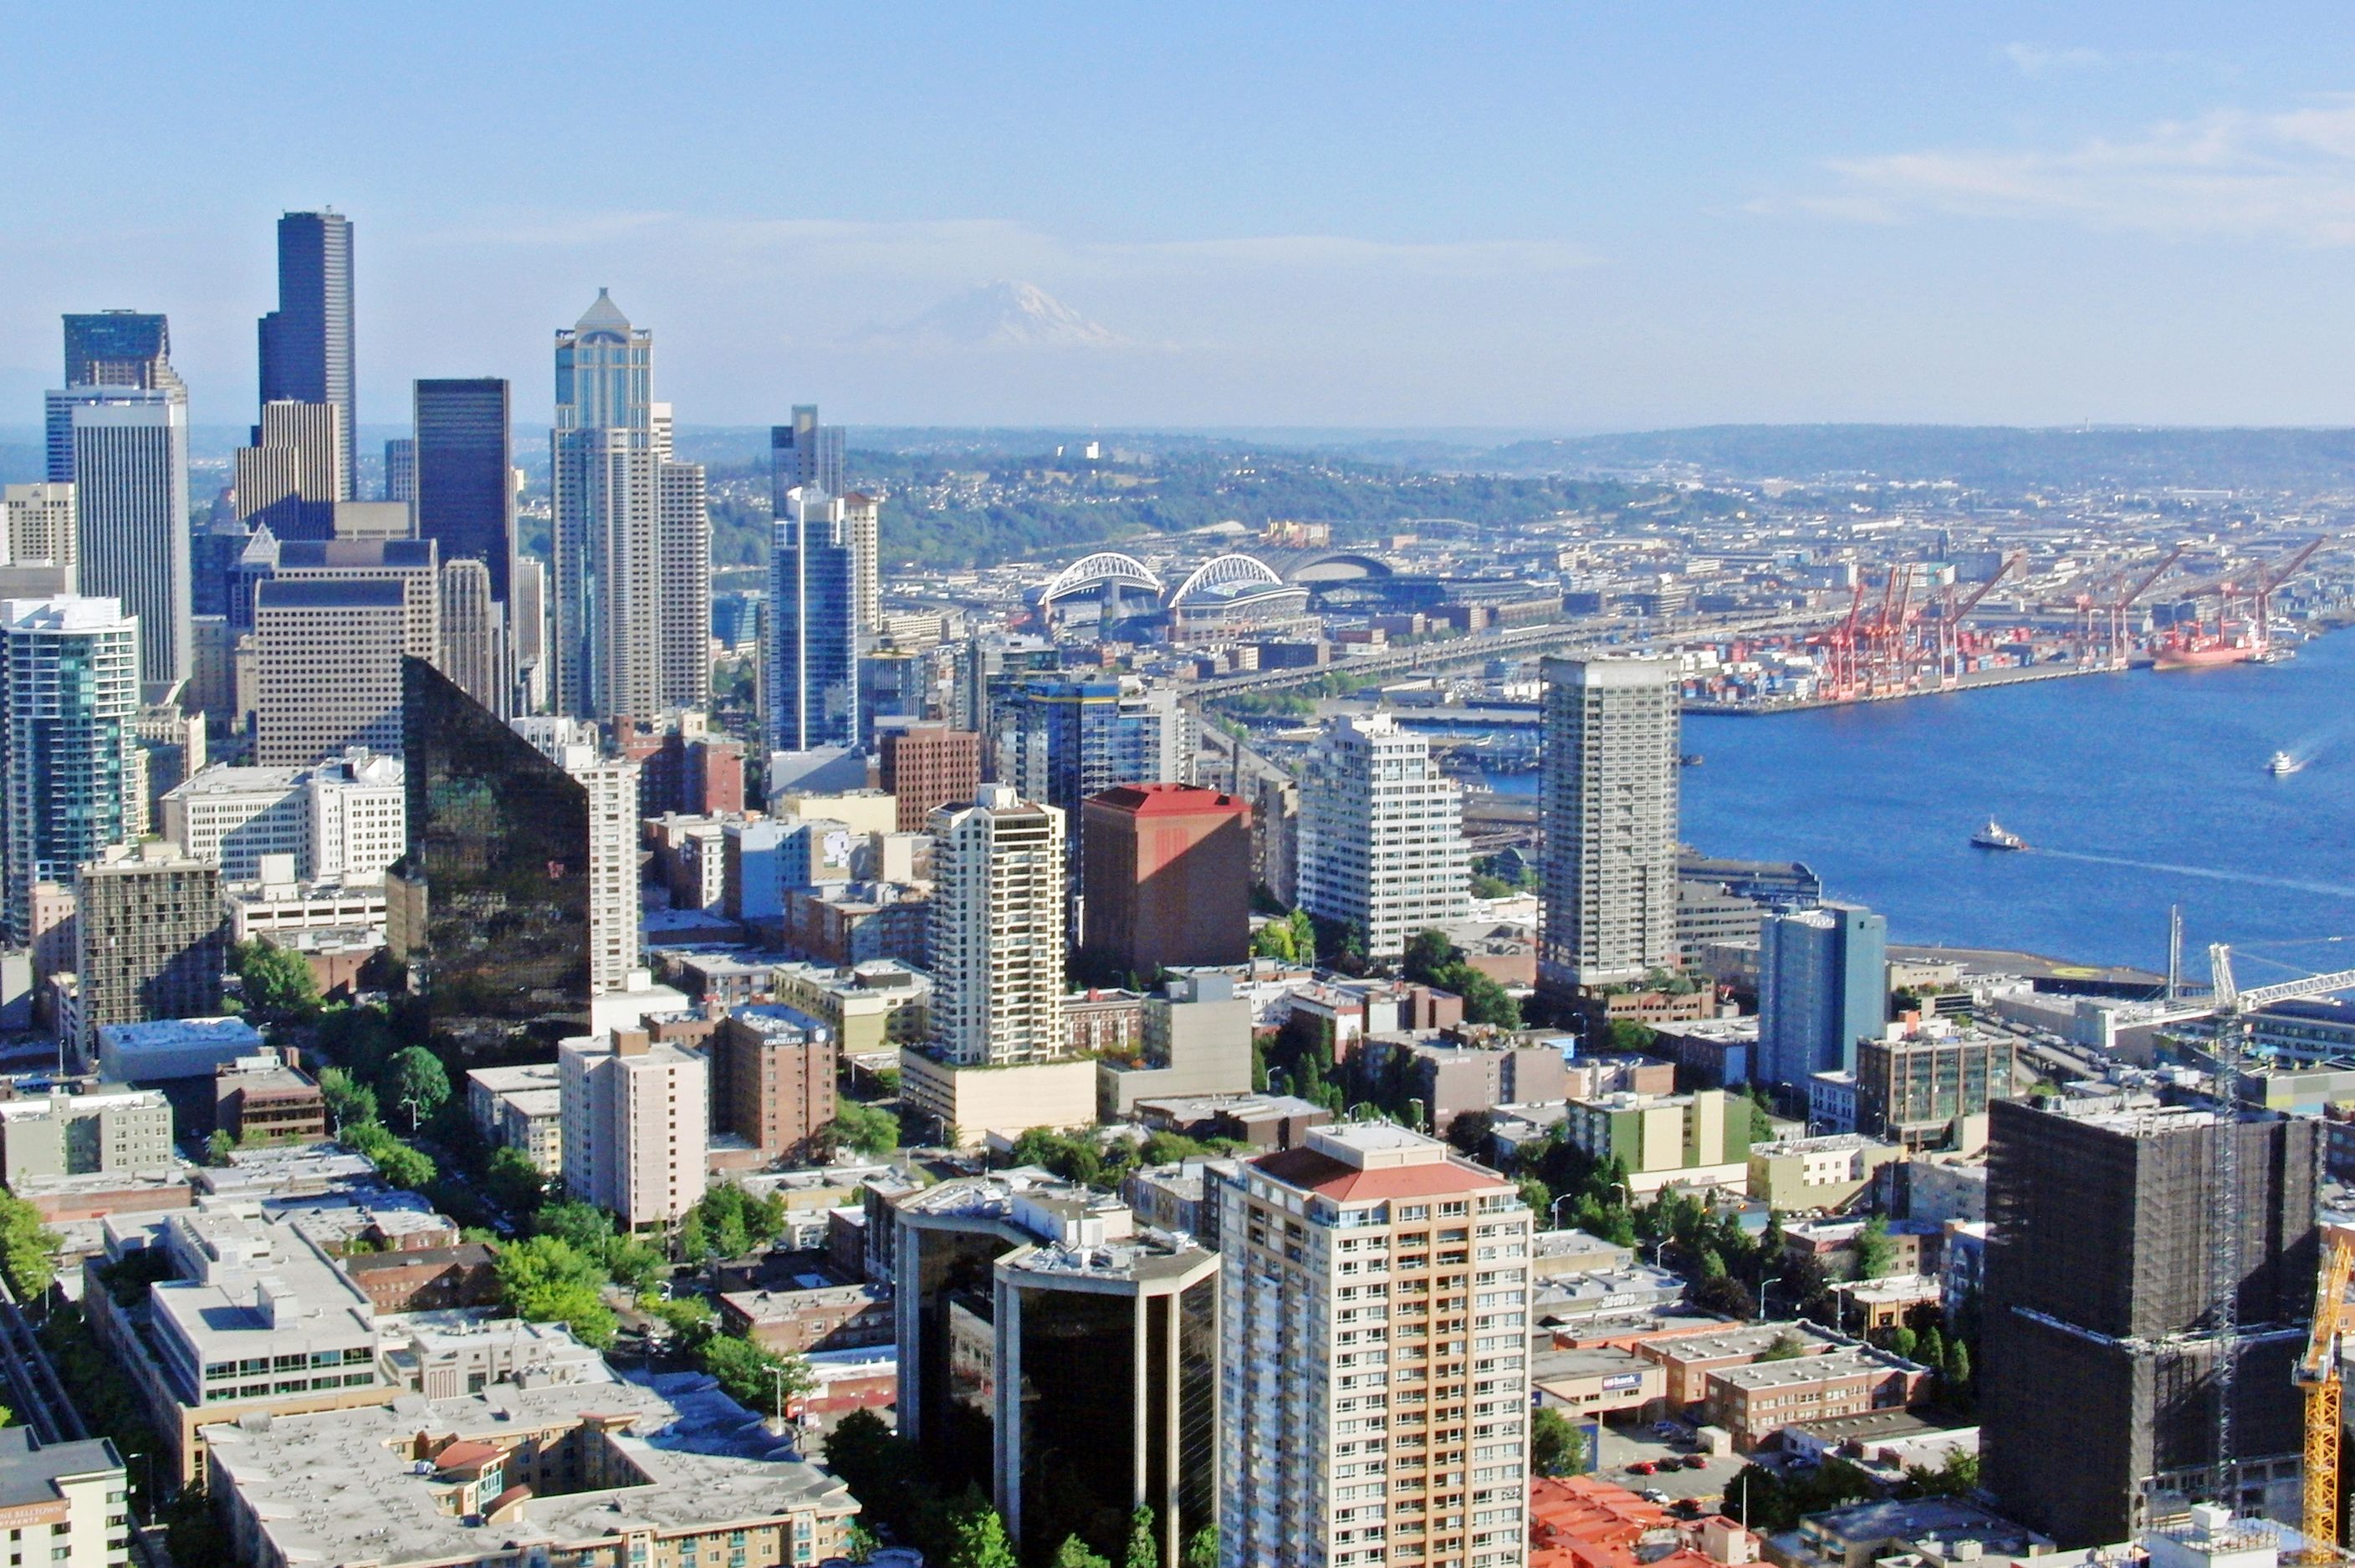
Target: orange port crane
x,y
2318,1373
1954,606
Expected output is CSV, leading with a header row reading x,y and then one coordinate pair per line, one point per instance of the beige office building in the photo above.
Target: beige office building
x,y
637,1124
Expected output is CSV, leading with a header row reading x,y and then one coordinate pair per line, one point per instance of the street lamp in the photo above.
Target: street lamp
x,y
1555,1207
1763,1285
411,1101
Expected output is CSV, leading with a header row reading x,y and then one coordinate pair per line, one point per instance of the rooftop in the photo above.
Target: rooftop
x,y
31,1469
1845,1362
341,1488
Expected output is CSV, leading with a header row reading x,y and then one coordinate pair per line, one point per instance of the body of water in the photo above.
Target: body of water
x,y
2136,791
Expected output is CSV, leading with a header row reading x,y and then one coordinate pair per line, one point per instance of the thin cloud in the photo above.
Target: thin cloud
x,y
2232,174
2037,59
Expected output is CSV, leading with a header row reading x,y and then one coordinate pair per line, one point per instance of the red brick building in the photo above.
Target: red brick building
x,y
925,765
1167,876
772,1080
428,1279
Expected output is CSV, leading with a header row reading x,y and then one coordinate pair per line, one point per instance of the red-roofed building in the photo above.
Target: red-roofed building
x,y
1373,1320
1578,1522
1167,870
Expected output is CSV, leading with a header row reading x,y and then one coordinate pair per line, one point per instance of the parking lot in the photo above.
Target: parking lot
x,y
1623,1446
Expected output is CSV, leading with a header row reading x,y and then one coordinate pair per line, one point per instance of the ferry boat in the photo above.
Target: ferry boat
x,y
2281,765
1994,836
1690,760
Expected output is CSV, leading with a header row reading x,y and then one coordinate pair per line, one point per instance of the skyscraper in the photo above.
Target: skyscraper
x,y
69,708
473,634
1609,810
121,349
306,342
464,472
1374,1406
327,671
998,930
507,885
151,942
39,525
401,469
806,454
1823,985
1382,835
812,685
2107,1227
1168,878
865,515
125,453
288,478
631,542
925,765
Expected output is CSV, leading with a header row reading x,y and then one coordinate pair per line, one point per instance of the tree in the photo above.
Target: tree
x,y
219,1147
1956,1476
1143,1548
1629,1037
977,1539
1875,1253
348,1100
1726,1296
514,1183
689,1317
635,1263
1202,1550
1427,953
28,1249
865,1128
1786,1347
582,1226
395,1161
416,1075
1557,1447
859,1543
544,1280
278,984
752,1377
1076,1554
1274,940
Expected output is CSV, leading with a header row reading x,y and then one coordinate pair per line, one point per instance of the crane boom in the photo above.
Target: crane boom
x,y
2318,1373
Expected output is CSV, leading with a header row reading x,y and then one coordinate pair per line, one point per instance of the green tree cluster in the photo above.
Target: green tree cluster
x,y
1557,1445
866,1128
728,1223
1772,1501
543,1279
278,984
1289,940
1432,960
28,1249
756,1379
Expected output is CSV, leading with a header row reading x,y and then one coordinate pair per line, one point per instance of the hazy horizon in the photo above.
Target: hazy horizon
x,y
1375,218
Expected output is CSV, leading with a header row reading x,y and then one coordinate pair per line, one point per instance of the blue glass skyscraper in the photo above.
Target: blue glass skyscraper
x,y
465,472
1823,983
812,654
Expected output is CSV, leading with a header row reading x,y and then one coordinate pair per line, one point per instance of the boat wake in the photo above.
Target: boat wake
x,y
2251,878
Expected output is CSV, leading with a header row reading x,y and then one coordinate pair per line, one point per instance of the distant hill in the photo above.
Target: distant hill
x,y
1982,457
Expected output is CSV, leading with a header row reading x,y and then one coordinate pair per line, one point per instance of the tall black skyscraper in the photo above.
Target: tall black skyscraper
x,y
465,463
306,342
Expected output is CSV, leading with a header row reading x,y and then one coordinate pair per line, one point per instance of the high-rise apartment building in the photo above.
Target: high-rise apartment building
x,y
1823,985
126,451
517,871
150,938
68,710
1381,834
772,1072
464,473
1168,878
631,542
327,669
864,515
998,930
928,765
306,342
637,1125
36,524
290,477
1373,1355
812,683
2110,1228
1609,810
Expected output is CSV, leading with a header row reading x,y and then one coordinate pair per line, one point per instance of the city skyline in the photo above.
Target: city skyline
x,y
1640,231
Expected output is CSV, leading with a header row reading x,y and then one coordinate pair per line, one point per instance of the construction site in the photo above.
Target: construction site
x,y
1924,632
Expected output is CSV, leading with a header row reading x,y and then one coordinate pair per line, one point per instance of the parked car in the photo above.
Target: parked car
x,y
1654,1495
1696,1461
1642,1468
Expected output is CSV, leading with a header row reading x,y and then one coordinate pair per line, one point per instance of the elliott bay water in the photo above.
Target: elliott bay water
x,y
2134,790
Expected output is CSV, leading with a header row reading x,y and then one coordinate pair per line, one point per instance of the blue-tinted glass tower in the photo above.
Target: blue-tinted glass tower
x,y
465,472
1823,983
812,653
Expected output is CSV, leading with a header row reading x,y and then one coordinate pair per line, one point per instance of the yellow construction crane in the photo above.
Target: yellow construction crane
x,y
2318,1373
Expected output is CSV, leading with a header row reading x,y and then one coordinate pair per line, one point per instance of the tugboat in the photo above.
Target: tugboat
x,y
2283,764
1994,836
1690,760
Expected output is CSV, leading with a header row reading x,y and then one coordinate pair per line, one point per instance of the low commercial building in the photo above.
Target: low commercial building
x,y
275,909
821,1318
259,1099
1456,1077
522,1108
1955,1529
1759,1398
445,1354
1689,1358
1923,1075
1598,1380
1582,1521
969,1104
253,1317
107,1128
1712,1053
772,1073
167,1049
1266,1121
843,924
877,1005
1827,1173
574,1468
1702,1139
427,1279
1197,1040
64,1502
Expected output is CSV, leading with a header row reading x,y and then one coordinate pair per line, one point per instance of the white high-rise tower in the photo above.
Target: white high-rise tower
x,y
1381,834
631,543
1610,815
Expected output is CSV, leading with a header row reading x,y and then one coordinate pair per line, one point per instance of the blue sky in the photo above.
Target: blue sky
x,y
1556,216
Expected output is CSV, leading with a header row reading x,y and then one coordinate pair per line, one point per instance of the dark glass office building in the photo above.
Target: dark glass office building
x,y
118,348
489,909
464,460
813,684
306,342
